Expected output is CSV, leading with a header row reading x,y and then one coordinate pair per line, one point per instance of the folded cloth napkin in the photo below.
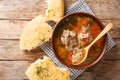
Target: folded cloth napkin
x,y
79,6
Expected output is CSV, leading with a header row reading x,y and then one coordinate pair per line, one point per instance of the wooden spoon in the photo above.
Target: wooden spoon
x,y
86,49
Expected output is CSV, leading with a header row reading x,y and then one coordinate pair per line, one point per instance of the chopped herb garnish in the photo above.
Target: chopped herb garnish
x,y
73,20
51,11
43,40
42,72
90,22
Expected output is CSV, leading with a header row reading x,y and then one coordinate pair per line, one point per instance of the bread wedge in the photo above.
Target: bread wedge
x,y
45,69
55,10
36,32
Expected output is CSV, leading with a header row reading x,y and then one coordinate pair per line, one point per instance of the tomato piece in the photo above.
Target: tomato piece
x,y
94,30
69,58
77,29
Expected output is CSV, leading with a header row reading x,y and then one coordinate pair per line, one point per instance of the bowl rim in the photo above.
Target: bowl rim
x,y
105,39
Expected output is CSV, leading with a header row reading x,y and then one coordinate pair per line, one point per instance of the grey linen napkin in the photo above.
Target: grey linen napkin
x,y
79,6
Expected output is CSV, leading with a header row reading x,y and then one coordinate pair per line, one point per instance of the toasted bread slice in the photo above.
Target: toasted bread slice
x,y
45,69
55,10
36,32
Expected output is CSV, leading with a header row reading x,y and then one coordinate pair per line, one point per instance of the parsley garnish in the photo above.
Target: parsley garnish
x,y
42,72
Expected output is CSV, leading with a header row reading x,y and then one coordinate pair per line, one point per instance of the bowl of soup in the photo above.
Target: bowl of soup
x,y
74,32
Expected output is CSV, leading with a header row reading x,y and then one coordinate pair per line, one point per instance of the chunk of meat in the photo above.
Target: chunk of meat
x,y
76,56
83,35
64,37
69,39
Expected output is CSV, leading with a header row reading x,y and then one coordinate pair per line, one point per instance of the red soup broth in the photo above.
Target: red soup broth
x,y
75,24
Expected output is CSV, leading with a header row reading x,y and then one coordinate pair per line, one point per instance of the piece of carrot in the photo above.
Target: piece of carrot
x,y
85,22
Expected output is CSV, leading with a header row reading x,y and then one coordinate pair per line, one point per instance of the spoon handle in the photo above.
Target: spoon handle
x,y
104,31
